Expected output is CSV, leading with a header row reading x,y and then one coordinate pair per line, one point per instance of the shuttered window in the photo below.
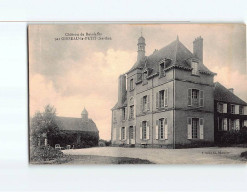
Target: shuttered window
x,y
145,102
161,125
195,128
144,130
162,99
131,114
131,132
224,124
123,133
195,98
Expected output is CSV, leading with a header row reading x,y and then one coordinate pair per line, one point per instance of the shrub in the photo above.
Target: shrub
x,y
195,144
227,138
44,153
244,154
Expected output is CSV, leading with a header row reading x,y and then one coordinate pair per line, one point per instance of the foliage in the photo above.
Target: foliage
x,y
195,144
244,154
87,139
227,138
44,153
43,124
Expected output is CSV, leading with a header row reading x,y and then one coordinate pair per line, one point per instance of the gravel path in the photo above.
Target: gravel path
x,y
213,155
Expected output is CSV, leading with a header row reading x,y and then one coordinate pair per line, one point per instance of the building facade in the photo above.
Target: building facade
x,y
230,111
76,132
166,99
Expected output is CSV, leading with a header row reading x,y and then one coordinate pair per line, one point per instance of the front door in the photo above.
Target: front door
x,y
131,135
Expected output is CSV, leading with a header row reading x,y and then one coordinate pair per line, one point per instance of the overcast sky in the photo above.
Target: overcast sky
x,y
71,74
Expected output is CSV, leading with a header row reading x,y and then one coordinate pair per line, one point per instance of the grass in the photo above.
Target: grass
x,y
91,159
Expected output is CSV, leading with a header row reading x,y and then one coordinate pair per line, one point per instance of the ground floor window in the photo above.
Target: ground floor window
x,y
123,133
195,122
161,128
144,129
131,132
222,124
234,124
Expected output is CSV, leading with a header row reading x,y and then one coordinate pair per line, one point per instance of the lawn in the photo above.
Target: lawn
x,y
90,159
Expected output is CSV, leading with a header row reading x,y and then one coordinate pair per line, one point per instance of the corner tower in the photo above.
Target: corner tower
x,y
141,48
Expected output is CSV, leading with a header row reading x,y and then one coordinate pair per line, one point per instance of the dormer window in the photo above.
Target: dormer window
x,y
145,81
194,66
162,69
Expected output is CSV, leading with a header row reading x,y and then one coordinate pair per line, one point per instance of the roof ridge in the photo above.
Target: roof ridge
x,y
176,50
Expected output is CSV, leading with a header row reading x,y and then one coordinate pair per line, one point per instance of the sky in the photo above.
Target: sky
x,y
73,74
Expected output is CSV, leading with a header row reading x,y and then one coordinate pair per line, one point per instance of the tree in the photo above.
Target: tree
x,y
43,125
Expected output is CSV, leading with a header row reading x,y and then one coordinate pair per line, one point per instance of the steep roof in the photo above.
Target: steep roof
x,y
75,124
223,94
176,52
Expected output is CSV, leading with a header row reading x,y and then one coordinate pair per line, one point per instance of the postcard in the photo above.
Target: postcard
x,y
137,93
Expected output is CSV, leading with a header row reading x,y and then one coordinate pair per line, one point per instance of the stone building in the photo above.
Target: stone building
x,y
77,132
230,111
166,99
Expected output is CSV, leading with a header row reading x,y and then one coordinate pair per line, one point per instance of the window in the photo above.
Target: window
x,y
235,124
145,102
161,98
233,109
220,107
131,112
123,133
145,81
194,68
241,110
131,132
161,128
144,130
223,124
195,98
131,84
162,69
123,113
195,125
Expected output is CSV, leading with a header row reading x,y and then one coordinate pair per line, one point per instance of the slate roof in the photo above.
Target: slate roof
x,y
176,52
224,95
75,124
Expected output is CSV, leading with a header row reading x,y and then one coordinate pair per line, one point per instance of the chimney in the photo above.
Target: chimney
x,y
121,88
231,90
198,48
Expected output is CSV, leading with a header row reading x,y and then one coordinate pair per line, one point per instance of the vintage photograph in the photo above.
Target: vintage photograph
x,y
137,94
